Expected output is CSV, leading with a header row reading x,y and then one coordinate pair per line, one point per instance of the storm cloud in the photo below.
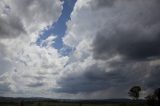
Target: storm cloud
x,y
130,44
95,78
131,37
124,50
112,46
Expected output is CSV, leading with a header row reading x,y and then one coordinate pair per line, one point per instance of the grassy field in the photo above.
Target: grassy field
x,y
65,104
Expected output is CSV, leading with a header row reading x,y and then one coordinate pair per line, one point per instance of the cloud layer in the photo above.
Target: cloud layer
x,y
121,41
115,46
22,62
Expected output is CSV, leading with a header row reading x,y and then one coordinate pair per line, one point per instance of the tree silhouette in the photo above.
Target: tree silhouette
x,y
134,92
157,94
151,100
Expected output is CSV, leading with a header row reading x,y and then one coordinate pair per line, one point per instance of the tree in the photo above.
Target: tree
x,y
134,92
151,100
157,94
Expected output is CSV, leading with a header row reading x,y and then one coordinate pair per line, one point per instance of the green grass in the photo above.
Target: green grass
x,y
64,104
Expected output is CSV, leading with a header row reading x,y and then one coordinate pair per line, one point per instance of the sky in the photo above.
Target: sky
x,y
79,49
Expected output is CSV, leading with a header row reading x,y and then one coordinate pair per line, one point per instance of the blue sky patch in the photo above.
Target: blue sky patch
x,y
59,28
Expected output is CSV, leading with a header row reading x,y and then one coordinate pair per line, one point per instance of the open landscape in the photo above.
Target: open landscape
x,y
64,102
79,52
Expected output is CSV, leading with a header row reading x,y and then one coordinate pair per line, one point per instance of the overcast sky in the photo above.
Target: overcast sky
x,y
84,49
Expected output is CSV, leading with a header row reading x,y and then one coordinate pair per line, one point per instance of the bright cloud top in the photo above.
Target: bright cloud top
x,y
25,67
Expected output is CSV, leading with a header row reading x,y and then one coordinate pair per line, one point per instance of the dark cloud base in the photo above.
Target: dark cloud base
x,y
137,45
132,45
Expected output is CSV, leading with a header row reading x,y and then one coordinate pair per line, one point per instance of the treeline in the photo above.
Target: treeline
x,y
152,99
